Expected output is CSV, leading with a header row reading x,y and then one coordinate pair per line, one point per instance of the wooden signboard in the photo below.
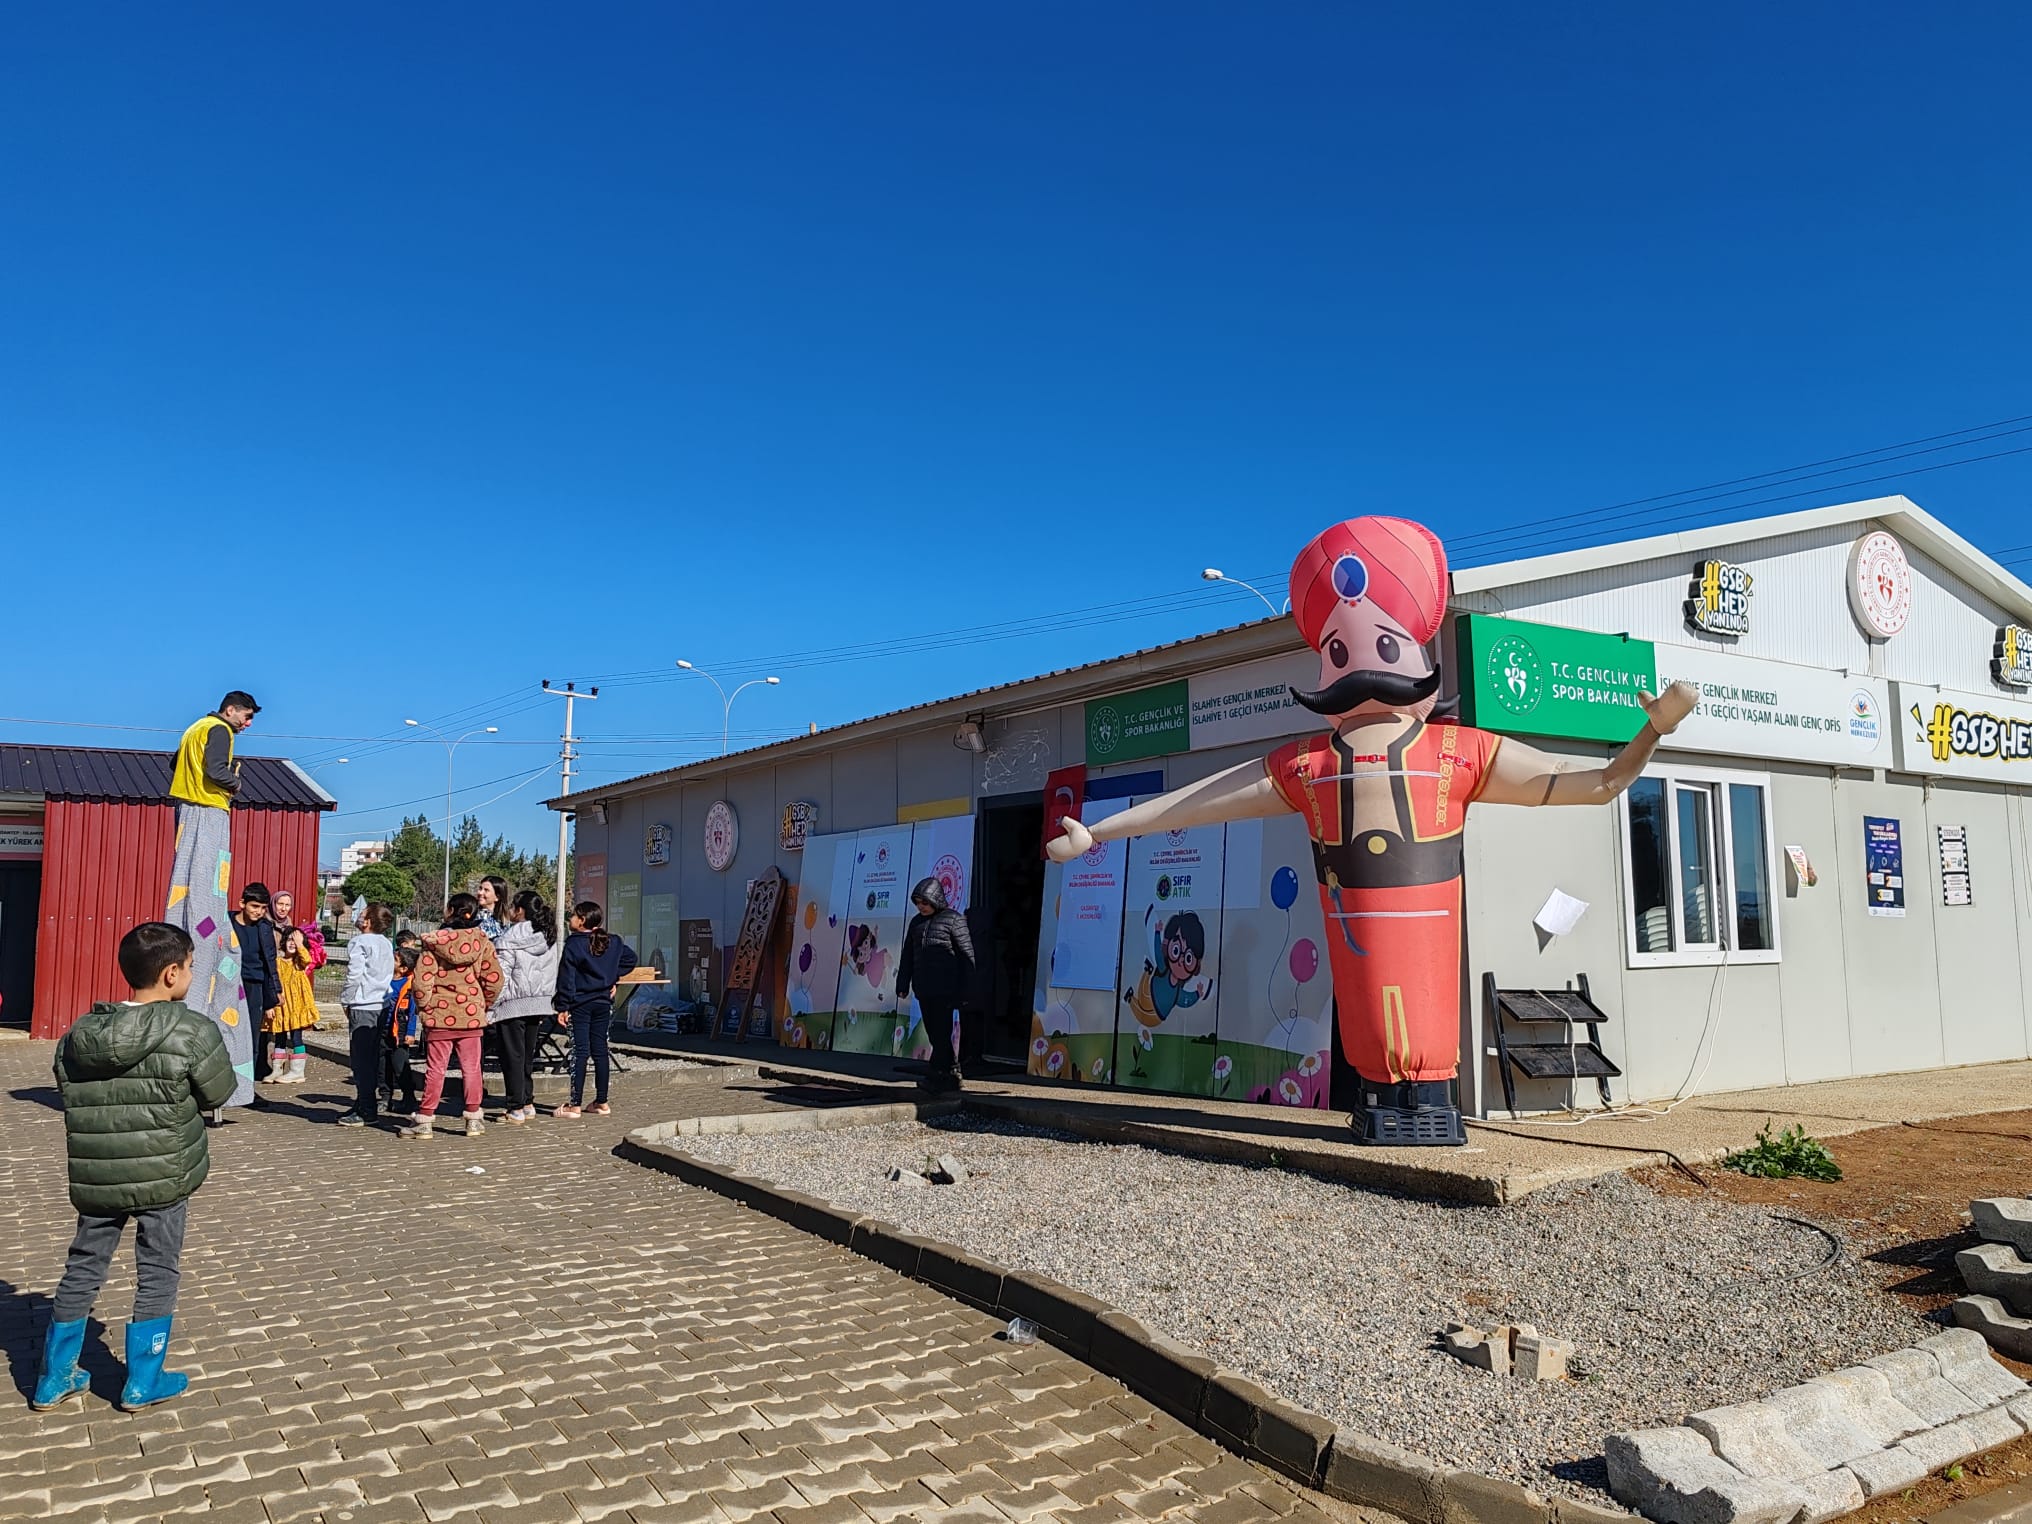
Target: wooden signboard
x,y
758,927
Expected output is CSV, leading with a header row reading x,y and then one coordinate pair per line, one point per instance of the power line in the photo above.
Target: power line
x,y
1867,481
1594,517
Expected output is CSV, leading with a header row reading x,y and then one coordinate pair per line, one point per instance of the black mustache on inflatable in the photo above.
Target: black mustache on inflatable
x,y
1344,693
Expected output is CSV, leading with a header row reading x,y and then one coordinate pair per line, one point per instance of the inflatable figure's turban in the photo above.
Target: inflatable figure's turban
x,y
1398,565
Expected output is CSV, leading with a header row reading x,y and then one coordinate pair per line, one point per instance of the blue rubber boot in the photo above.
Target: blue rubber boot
x,y
60,1380
147,1382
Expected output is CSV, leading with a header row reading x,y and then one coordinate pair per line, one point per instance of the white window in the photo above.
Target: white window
x,y
1697,868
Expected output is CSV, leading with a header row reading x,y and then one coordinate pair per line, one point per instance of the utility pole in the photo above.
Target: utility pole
x,y
565,756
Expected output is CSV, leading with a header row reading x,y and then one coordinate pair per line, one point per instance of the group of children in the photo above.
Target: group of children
x,y
496,965
139,1077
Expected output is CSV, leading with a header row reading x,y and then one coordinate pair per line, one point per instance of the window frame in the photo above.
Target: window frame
x,y
1721,825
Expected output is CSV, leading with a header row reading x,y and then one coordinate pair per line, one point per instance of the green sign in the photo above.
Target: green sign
x,y
1151,722
1540,680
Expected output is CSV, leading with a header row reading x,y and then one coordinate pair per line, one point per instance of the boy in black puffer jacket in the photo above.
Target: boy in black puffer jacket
x,y
938,963
136,1078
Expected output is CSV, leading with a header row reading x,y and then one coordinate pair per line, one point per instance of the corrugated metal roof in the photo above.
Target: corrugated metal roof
x,y
142,777
1236,643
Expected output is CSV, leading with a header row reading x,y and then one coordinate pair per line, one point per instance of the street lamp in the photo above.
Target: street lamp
x,y
451,746
727,699
1215,574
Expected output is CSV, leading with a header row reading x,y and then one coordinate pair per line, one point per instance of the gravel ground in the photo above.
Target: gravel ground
x,y
1335,1296
638,1064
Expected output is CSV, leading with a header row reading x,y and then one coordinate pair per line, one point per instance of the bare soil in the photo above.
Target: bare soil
x,y
1901,1207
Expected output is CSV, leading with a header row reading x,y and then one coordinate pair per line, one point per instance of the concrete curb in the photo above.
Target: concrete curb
x,y
1396,1176
1227,1408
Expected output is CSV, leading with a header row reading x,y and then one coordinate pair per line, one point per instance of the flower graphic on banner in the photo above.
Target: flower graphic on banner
x,y
1224,1067
1289,1092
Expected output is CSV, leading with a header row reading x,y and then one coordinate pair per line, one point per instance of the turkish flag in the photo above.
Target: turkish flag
x,y
1063,792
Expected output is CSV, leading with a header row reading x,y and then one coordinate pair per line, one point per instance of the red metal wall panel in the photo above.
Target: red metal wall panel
x,y
105,868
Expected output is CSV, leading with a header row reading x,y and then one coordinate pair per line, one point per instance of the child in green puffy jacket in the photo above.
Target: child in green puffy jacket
x,y
137,1078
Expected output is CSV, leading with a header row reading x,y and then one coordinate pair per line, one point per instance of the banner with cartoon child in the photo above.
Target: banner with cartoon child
x,y
876,912
1169,984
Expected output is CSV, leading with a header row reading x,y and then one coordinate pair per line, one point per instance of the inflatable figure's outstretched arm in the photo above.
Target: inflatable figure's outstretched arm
x,y
1243,792
1524,775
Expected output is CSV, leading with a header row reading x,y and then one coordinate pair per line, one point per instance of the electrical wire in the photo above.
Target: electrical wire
x,y
1645,507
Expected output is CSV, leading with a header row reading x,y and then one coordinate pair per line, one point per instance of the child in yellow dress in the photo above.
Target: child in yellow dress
x,y
299,954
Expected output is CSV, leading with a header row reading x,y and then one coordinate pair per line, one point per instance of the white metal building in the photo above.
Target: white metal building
x,y
1821,876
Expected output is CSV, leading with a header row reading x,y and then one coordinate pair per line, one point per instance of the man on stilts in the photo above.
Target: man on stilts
x,y
200,877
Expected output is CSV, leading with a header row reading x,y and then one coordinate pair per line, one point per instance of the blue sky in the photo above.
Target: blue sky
x,y
385,360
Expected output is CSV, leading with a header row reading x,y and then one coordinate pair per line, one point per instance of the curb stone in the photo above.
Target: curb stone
x,y
1227,1408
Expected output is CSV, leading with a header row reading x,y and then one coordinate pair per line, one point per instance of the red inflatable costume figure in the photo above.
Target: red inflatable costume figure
x,y
1385,795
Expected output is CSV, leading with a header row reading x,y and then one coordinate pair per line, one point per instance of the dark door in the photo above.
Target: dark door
x,y
1007,904
20,910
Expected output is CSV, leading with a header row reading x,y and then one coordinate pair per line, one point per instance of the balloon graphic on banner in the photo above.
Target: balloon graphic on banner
x,y
1304,960
804,959
1284,889
810,915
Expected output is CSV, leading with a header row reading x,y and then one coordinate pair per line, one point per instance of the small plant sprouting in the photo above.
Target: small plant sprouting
x,y
1792,1154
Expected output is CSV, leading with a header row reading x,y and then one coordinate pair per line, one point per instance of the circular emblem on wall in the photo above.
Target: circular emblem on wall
x,y
951,874
723,835
1880,585
1516,676
1104,732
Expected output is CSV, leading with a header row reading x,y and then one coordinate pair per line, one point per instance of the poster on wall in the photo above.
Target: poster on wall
x,y
1079,954
659,935
1884,861
1956,886
699,963
813,982
942,849
1170,969
624,908
1274,1038
877,910
589,874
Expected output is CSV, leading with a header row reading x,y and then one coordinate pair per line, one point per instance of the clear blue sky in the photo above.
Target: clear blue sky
x,y
387,359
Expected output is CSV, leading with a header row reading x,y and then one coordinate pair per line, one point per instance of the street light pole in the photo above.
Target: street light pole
x,y
1215,574
727,699
570,694
451,747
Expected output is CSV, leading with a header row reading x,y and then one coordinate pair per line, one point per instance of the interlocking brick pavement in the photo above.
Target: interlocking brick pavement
x,y
377,1336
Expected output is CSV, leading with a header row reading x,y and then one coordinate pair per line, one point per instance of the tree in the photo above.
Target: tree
x,y
381,883
419,852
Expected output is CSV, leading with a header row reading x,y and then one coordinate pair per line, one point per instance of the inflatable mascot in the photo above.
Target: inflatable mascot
x,y
1384,795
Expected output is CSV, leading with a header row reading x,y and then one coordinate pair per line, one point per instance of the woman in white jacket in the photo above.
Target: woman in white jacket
x,y
528,951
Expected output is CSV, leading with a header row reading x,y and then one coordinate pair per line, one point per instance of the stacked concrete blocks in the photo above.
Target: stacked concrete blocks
x,y
1819,1449
1999,1276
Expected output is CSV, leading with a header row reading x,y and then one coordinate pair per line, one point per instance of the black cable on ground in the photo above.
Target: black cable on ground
x,y
1623,1148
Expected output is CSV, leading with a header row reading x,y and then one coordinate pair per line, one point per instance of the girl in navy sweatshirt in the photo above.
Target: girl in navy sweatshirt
x,y
594,961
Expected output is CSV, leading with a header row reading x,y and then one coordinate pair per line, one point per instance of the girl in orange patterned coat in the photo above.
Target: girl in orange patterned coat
x,y
457,979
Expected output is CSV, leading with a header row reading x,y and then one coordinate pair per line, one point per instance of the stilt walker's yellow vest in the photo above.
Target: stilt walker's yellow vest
x,y
190,784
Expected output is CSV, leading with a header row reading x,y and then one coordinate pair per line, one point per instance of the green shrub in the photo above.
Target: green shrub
x,y
1792,1154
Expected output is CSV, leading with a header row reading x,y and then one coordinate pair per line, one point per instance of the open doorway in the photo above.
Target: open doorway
x,y
20,910
1008,903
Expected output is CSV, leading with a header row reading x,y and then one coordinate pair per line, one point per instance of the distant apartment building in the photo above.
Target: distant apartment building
x,y
356,855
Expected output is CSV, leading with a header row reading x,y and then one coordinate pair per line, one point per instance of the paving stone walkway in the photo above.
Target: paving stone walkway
x,y
377,1335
